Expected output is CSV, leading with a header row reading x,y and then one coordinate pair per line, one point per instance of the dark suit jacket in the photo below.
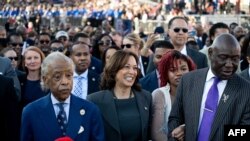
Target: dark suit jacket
x,y
150,82
96,65
202,41
186,108
245,74
199,58
39,121
145,61
9,121
93,82
7,70
105,101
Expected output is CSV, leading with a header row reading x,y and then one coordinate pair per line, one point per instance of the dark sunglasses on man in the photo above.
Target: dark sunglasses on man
x,y
126,45
13,58
60,49
44,41
177,30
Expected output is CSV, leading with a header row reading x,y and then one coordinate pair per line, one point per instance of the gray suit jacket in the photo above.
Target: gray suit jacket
x,y
245,74
186,108
7,70
105,101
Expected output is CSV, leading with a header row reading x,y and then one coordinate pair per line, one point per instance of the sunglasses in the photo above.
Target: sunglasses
x,y
60,49
127,45
15,44
13,58
44,41
177,30
107,43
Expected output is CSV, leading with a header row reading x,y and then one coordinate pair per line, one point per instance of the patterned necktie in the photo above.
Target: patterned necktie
x,y
209,111
78,87
62,119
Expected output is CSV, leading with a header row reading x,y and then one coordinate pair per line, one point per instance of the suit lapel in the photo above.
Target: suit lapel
x,y
93,82
196,98
75,118
154,79
49,121
230,92
142,107
110,113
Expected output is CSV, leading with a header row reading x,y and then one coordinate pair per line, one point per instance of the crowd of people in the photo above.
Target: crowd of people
x,y
96,83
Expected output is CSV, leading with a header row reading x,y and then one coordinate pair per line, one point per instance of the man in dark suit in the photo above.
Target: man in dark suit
x,y
246,72
7,70
152,80
42,119
85,80
193,95
9,121
200,36
95,63
178,33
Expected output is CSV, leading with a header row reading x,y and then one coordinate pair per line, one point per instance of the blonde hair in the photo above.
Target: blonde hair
x,y
35,49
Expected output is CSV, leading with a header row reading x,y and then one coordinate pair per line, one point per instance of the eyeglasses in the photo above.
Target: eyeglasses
x,y
177,30
127,45
15,44
13,58
44,41
106,43
60,49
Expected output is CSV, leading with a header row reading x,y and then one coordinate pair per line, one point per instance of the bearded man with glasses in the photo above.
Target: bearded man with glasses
x,y
178,34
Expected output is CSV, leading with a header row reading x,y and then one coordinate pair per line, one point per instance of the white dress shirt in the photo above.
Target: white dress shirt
x,y
184,50
141,66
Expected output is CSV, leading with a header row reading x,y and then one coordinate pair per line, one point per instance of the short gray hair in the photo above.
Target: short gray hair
x,y
51,59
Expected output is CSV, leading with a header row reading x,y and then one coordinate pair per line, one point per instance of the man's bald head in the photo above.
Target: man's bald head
x,y
226,40
224,56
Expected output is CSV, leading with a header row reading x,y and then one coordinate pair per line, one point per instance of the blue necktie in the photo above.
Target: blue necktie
x,y
62,119
78,87
209,111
